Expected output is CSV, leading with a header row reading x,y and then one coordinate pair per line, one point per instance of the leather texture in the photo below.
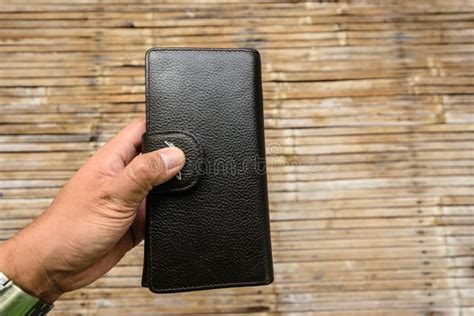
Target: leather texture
x,y
211,228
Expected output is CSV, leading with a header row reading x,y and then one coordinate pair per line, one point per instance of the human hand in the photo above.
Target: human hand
x,y
95,219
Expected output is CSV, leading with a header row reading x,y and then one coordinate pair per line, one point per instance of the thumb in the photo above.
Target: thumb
x,y
146,171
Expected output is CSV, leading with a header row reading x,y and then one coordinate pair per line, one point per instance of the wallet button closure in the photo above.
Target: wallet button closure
x,y
193,167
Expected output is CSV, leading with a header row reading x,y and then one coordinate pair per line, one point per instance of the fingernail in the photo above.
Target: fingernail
x,y
172,157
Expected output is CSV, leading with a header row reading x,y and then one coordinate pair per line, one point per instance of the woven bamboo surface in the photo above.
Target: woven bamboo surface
x,y
369,116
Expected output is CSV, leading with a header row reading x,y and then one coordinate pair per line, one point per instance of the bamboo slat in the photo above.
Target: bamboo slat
x,y
369,120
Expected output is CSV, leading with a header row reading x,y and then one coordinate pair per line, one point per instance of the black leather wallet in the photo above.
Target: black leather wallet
x,y
209,227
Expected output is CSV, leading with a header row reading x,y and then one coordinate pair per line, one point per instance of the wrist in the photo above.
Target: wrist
x,y
27,271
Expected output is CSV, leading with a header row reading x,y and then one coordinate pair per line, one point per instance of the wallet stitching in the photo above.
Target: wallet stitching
x,y
205,286
248,50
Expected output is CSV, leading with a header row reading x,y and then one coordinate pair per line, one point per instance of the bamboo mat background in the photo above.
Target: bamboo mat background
x,y
369,125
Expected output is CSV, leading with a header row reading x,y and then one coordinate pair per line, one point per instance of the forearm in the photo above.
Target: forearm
x,y
21,261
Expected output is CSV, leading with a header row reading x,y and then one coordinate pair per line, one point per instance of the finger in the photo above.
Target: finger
x,y
138,227
146,171
113,256
126,145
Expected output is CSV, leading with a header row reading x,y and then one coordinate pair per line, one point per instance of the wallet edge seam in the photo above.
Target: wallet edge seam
x,y
212,286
